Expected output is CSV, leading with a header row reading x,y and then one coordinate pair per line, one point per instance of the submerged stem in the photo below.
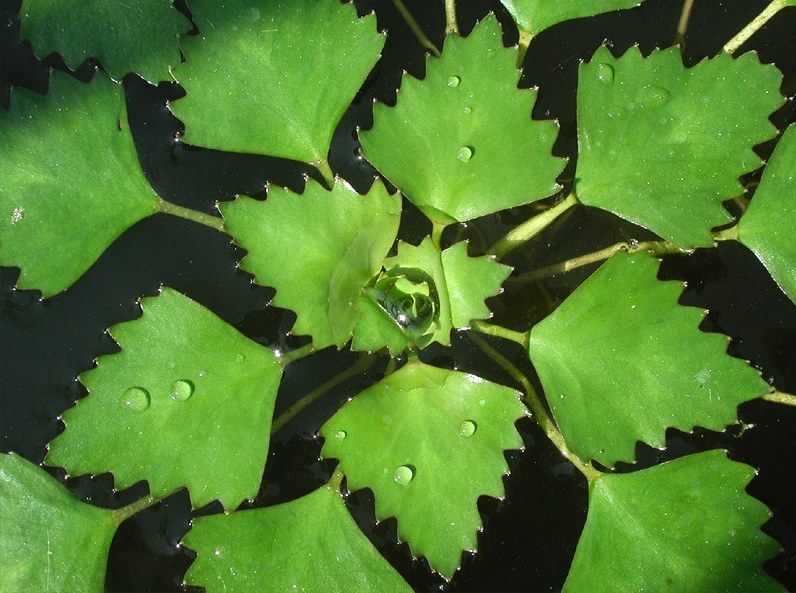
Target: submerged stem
x,y
450,17
538,411
410,20
682,24
498,331
757,23
530,228
780,397
214,222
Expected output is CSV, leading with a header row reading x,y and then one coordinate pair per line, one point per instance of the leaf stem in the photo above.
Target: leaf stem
x,y
522,46
499,331
531,227
123,513
761,19
325,170
364,363
654,247
421,36
780,397
287,357
682,24
336,479
451,26
538,411
214,222
728,234
436,235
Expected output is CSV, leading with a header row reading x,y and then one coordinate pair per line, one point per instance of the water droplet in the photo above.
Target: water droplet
x,y
467,428
702,376
340,435
181,390
17,214
135,398
652,96
453,81
403,475
680,136
605,73
254,14
467,110
464,154
240,357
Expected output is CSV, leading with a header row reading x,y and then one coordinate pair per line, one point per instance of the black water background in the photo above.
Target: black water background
x,y
529,538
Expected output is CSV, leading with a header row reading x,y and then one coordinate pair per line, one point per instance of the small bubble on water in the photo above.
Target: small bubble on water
x,y
467,428
135,399
454,81
464,154
403,475
181,390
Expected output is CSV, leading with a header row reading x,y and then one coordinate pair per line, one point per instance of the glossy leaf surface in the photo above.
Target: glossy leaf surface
x,y
273,76
656,144
621,361
769,225
461,143
336,241
50,540
186,403
534,16
307,544
428,442
132,36
70,182
686,525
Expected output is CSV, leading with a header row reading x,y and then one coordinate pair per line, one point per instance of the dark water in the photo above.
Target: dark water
x,y
529,538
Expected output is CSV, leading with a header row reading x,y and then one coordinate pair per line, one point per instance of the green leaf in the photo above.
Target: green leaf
x,y
70,182
135,36
768,227
50,541
620,361
662,145
683,526
308,544
428,442
534,16
336,241
461,143
273,76
187,402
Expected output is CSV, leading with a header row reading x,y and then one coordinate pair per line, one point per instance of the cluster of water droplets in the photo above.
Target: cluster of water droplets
x,y
464,153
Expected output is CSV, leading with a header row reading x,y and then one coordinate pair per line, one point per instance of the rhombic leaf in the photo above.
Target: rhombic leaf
x,y
683,526
335,240
428,442
186,403
461,143
132,36
662,145
534,16
620,361
51,541
769,225
308,544
70,182
273,76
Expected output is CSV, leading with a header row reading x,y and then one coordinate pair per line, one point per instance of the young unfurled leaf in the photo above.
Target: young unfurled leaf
x,y
186,403
307,544
70,181
662,145
336,240
534,16
273,76
683,526
620,361
133,36
768,227
461,143
428,442
51,541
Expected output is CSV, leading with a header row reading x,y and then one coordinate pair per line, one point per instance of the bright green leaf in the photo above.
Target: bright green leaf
x,y
620,361
377,329
534,16
769,225
308,544
662,145
461,143
133,36
336,241
187,402
70,182
683,526
428,442
273,76
50,541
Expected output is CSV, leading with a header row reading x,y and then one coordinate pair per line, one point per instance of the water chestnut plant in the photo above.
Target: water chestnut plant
x,y
421,273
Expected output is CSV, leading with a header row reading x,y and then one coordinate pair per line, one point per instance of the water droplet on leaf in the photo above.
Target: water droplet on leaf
x,y
464,154
135,398
17,214
254,14
605,73
340,435
467,428
403,475
467,110
453,81
240,357
652,96
181,390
